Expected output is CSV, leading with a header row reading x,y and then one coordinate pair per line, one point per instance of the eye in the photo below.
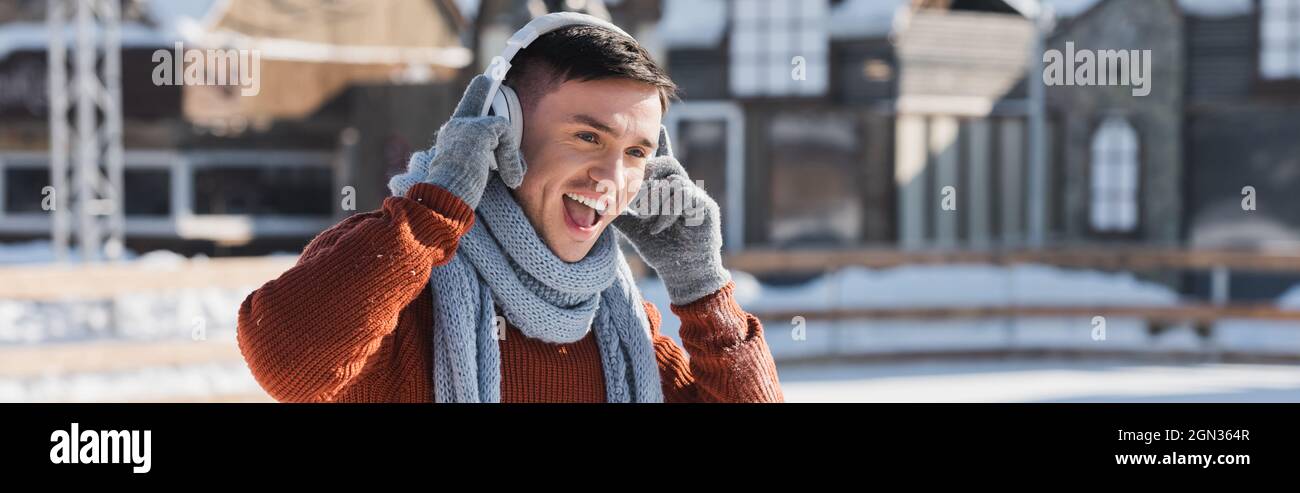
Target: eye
x,y
640,153
587,136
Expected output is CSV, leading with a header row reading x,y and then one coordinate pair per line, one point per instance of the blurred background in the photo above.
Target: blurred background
x,y
915,214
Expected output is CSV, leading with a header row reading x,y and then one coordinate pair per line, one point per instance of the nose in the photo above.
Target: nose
x,y
608,173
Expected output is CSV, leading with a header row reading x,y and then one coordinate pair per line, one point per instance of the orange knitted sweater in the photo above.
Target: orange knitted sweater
x,y
352,322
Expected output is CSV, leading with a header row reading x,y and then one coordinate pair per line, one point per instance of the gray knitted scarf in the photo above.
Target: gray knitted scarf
x,y
502,259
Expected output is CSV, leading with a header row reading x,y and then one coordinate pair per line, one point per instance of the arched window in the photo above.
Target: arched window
x,y
1114,177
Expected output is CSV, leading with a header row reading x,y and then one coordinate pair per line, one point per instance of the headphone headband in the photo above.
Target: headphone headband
x,y
526,35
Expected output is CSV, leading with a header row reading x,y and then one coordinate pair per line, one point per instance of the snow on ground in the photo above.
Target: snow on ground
x,y
39,252
26,252
1039,381
173,314
200,382
945,286
946,381
976,286
137,316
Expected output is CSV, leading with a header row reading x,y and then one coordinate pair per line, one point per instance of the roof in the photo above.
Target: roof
x,y
1199,8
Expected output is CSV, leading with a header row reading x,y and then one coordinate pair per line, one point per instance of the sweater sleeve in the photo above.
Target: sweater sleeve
x,y
729,360
308,333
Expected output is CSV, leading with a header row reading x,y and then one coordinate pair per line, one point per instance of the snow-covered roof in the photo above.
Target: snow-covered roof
x,y
875,18
169,18
173,18
864,18
1027,8
33,36
196,22
693,23
1069,8
703,23
1200,8
1216,8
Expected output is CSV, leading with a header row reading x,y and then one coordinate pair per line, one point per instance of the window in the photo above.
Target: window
x,y
147,192
767,35
146,189
264,191
709,138
1279,39
23,189
1114,177
816,196
702,145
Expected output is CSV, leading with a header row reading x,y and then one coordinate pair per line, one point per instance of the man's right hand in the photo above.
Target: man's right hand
x,y
467,148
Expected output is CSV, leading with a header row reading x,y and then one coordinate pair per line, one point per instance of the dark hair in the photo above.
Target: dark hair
x,y
583,53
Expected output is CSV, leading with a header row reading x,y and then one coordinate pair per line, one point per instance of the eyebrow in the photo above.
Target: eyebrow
x,y
603,127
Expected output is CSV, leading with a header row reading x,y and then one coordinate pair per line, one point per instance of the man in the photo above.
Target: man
x,y
491,274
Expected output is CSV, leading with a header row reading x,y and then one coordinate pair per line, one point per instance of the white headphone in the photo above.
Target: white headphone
x,y
502,100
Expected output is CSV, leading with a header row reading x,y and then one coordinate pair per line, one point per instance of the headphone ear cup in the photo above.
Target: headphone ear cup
x,y
506,104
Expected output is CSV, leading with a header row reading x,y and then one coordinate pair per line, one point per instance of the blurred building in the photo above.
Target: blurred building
x,y
1223,113
1118,169
345,91
814,122
839,123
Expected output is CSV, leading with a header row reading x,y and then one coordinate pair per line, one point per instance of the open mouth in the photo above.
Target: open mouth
x,y
581,212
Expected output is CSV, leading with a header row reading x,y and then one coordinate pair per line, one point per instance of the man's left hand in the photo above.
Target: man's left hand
x,y
676,228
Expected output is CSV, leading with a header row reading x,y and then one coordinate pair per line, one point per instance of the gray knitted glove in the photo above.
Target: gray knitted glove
x,y
683,243
467,148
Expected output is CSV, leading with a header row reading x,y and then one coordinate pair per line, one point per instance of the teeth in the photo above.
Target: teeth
x,y
598,205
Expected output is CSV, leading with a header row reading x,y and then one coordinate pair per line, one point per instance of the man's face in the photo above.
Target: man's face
x,y
585,141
